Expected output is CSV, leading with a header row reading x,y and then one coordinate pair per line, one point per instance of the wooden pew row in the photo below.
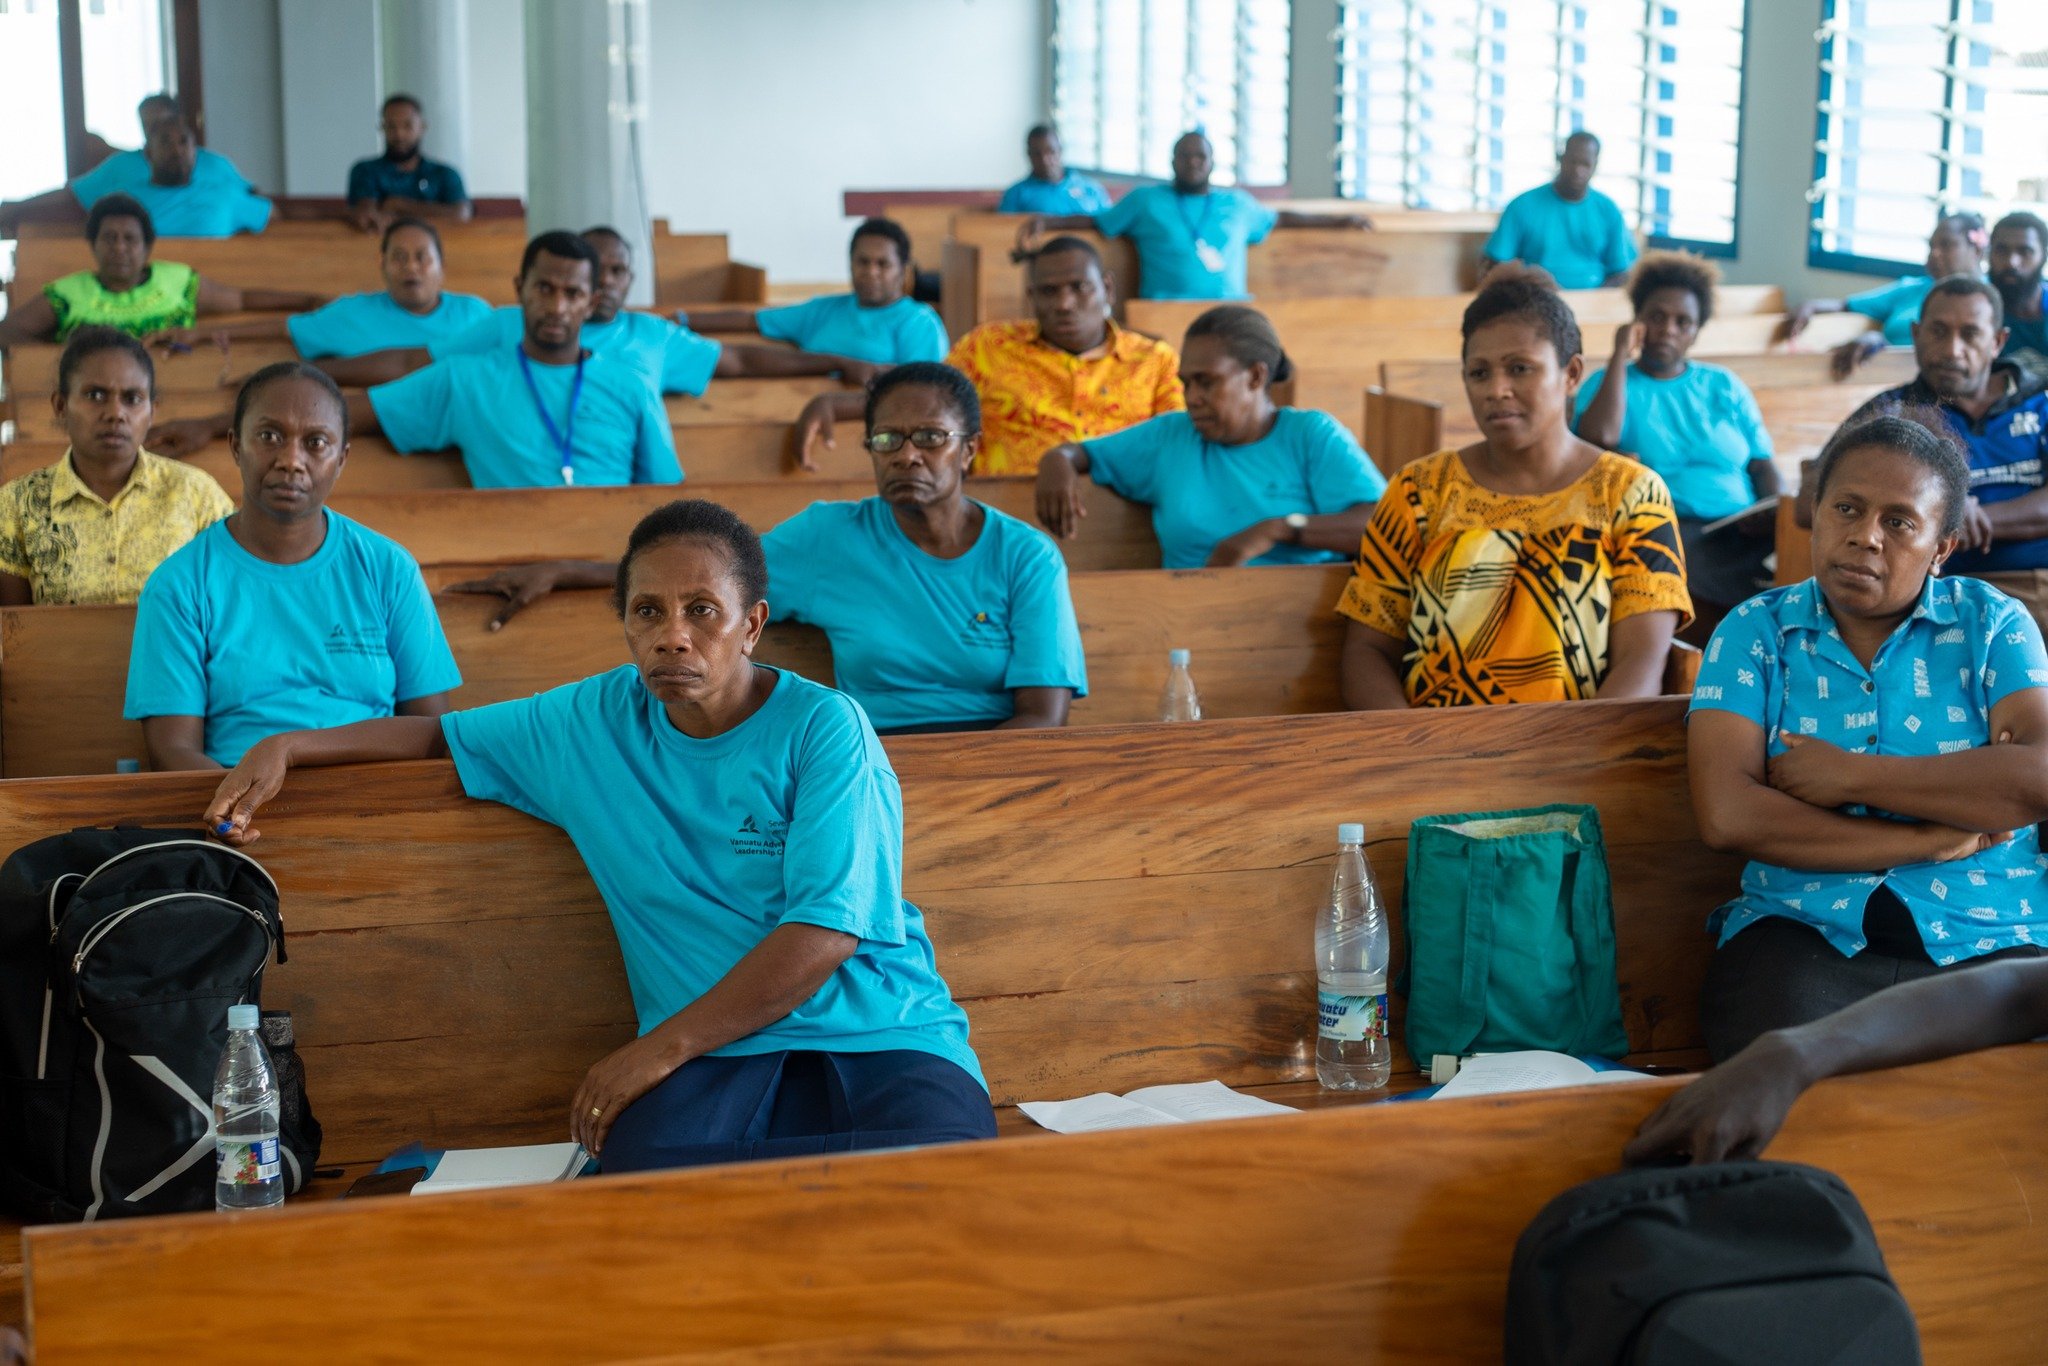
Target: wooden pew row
x,y
1265,641
1801,401
1209,1242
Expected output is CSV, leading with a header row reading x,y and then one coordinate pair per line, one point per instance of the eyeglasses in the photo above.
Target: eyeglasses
x,y
924,438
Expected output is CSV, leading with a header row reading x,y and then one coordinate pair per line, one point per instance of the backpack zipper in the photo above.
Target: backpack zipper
x,y
174,844
49,991
101,930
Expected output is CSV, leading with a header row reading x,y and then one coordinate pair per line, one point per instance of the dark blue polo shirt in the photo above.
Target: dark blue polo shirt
x,y
430,182
2021,335
2006,451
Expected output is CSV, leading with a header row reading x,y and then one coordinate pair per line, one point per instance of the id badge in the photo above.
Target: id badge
x,y
1211,259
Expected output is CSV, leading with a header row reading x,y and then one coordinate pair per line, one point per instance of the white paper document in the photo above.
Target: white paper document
x,y
1186,1104
476,1169
1492,1074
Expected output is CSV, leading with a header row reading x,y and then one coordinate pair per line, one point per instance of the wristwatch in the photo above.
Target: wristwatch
x,y
1297,522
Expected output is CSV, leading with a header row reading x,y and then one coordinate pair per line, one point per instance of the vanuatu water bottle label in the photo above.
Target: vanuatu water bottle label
x,y
1351,1019
245,1164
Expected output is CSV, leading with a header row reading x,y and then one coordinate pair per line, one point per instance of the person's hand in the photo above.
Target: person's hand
x,y
616,1081
1977,532
1733,1111
861,372
1027,231
180,439
368,216
1947,844
1628,343
172,340
1796,322
1847,358
247,787
1814,771
1059,496
816,429
520,585
1247,545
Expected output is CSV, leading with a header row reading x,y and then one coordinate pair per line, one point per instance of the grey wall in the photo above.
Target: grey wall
x,y
238,47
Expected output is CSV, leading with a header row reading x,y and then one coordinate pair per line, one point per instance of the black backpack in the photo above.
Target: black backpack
x,y
1760,1263
120,953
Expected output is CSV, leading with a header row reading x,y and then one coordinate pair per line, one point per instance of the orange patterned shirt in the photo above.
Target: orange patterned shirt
x,y
1035,396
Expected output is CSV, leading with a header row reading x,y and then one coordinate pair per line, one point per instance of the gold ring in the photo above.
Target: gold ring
x,y
597,1112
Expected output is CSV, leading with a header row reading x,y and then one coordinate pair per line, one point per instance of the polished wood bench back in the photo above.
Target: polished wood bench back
x,y
1387,1229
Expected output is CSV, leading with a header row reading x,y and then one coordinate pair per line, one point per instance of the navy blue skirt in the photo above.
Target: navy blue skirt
x,y
794,1104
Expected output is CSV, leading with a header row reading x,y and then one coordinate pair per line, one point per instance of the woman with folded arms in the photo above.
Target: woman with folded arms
x,y
1237,478
126,290
1529,566
745,830
91,527
943,613
1875,742
287,614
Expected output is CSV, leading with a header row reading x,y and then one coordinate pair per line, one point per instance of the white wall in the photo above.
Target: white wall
x,y
328,50
238,49
497,99
764,111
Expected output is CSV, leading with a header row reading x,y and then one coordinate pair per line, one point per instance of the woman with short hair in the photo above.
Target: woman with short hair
x,y
287,614
1529,566
1236,478
746,832
126,290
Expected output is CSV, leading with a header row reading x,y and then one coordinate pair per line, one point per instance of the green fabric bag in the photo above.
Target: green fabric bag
x,y
1510,935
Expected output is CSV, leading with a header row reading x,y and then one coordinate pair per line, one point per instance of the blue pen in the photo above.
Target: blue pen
x,y
224,827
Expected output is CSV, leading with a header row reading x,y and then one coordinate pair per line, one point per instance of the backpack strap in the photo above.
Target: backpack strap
x,y
1592,934
1475,943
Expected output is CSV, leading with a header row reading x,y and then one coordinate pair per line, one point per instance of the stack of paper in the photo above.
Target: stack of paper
x,y
1491,1074
477,1169
1187,1104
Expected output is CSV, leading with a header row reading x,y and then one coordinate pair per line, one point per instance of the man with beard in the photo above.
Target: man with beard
x,y
403,182
1998,410
2019,242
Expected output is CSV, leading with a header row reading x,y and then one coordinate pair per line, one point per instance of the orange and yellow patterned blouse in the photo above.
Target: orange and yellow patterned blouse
x,y
1509,597
1034,396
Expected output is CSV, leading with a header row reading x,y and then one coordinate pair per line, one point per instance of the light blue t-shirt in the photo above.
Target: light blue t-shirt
x,y
123,171
701,847
481,405
1699,430
356,324
1780,661
669,356
258,649
199,209
837,325
1190,246
1071,193
918,640
1202,493
1894,307
1580,242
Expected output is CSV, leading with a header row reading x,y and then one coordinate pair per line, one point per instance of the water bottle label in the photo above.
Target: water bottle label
x,y
1351,1019
245,1164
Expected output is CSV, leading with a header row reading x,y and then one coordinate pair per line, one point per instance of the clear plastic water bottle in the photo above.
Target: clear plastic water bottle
x,y
245,1106
1178,702
1352,1052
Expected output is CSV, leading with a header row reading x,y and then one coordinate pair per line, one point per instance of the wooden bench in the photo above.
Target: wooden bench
x,y
1385,1228
1801,401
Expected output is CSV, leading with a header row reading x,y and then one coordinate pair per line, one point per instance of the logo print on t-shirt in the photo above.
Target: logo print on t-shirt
x,y
2026,423
985,629
367,641
759,839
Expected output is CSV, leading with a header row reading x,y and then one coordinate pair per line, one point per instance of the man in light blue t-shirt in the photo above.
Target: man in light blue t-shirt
x,y
1567,227
1051,187
122,172
878,323
1193,239
182,205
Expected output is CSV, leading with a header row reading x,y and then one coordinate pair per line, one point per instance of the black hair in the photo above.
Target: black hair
x,y
1919,432
1581,135
884,227
404,99
1965,286
1041,130
2023,220
697,519
1969,220
1248,335
92,339
1061,246
954,387
607,230
566,245
422,224
1527,299
1684,270
160,97
119,206
277,373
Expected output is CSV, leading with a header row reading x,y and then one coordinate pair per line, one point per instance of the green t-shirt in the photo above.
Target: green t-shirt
x,y
167,297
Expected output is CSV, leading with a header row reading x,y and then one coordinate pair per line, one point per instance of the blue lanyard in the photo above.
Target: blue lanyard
x,y
564,441
1194,227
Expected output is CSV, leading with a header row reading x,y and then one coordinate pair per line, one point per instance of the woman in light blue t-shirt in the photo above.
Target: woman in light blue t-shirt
x,y
745,830
1236,479
1957,247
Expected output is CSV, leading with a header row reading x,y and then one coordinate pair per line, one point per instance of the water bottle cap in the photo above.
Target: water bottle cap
x,y
1177,657
1351,833
244,1017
